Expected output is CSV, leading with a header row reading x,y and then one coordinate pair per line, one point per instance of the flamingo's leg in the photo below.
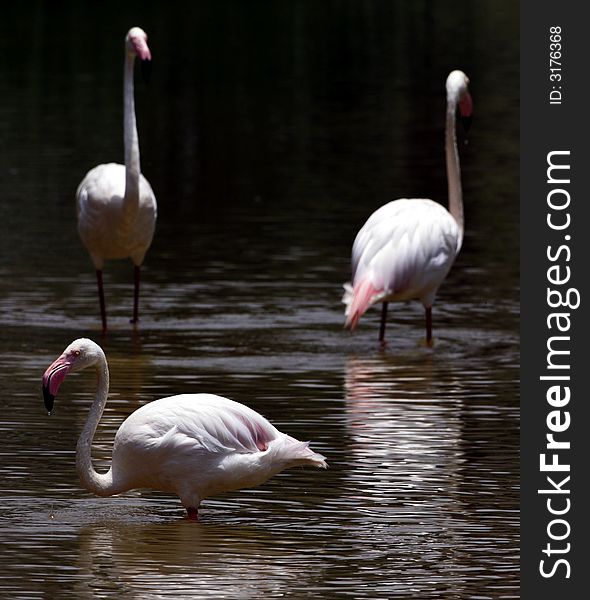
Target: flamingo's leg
x,y
429,325
103,312
137,277
383,321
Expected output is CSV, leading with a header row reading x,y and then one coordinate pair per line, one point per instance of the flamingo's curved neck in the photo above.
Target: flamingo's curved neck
x,y
101,484
453,169
132,166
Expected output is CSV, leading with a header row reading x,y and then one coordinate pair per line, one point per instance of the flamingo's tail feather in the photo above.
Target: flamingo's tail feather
x,y
296,453
357,299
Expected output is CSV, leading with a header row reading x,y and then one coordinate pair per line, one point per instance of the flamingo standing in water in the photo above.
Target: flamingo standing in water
x,y
115,203
192,445
406,247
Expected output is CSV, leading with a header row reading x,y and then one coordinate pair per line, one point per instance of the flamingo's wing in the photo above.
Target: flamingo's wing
x,y
98,203
202,423
108,227
405,245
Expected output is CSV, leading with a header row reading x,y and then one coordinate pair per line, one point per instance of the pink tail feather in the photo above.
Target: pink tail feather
x,y
358,300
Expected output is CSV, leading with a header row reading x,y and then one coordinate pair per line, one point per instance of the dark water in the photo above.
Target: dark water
x,y
269,132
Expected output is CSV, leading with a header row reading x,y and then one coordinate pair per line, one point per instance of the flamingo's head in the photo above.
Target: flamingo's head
x,y
458,95
136,42
78,355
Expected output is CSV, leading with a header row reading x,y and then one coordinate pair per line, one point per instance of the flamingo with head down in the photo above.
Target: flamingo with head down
x,y
407,247
191,445
115,203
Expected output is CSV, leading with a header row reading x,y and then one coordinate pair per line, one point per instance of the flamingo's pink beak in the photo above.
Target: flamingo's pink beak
x,y
53,378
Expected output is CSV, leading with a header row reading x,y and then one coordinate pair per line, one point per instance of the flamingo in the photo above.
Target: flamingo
x,y
115,204
193,445
406,248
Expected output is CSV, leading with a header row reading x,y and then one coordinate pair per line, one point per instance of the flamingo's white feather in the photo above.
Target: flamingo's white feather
x,y
405,250
109,228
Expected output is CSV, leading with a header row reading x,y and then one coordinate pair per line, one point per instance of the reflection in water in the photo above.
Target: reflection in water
x,y
405,439
408,428
184,559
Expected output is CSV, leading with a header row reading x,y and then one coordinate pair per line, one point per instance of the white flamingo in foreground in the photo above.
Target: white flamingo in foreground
x,y
115,203
406,247
192,445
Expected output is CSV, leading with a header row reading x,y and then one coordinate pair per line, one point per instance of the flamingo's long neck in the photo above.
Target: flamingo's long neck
x,y
101,484
132,165
453,169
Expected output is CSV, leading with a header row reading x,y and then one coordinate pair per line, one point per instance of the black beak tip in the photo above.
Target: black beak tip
x,y
146,70
48,399
466,122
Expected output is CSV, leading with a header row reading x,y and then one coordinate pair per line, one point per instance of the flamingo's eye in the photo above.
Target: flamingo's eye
x,y
76,352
